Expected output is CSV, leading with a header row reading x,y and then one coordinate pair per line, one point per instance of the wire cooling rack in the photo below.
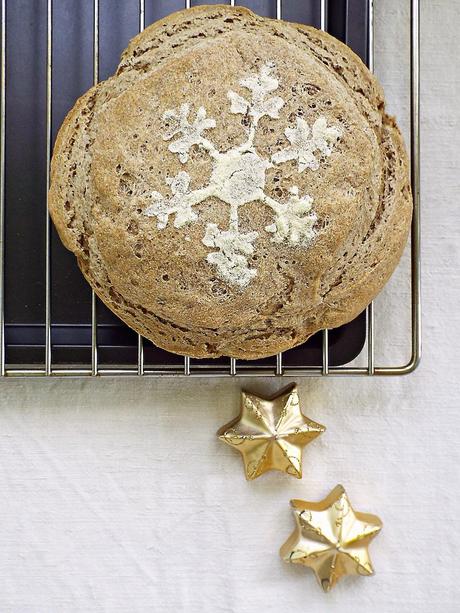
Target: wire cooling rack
x,y
185,366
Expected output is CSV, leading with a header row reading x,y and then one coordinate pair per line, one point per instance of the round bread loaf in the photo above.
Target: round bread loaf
x,y
235,187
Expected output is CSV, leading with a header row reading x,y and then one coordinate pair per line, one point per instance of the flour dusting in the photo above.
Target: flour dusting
x,y
238,176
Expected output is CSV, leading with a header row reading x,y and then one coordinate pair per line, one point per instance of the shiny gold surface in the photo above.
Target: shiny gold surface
x,y
331,538
270,433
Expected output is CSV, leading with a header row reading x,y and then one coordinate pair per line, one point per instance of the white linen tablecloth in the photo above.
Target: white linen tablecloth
x,y
115,495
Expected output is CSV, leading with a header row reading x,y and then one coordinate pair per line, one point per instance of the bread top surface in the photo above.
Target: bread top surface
x,y
235,187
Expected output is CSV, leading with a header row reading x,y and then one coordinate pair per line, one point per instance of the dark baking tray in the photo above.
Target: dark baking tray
x,y
25,186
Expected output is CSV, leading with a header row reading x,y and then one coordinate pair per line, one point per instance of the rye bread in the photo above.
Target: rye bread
x,y
112,162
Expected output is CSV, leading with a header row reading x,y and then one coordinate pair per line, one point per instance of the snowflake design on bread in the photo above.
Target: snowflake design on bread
x,y
238,176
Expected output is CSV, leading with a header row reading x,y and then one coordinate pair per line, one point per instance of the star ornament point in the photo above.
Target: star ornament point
x,y
270,433
331,538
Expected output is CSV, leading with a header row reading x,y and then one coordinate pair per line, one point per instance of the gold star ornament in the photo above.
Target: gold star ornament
x,y
270,433
331,538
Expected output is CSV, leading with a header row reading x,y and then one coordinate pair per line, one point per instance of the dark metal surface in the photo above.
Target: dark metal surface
x,y
25,184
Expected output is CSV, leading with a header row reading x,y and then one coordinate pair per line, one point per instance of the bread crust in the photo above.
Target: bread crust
x,y
110,152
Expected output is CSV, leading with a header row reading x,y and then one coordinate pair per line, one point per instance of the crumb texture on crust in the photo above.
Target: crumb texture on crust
x,y
232,208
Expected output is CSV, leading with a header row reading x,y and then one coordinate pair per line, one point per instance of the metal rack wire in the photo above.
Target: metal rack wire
x,y
234,367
